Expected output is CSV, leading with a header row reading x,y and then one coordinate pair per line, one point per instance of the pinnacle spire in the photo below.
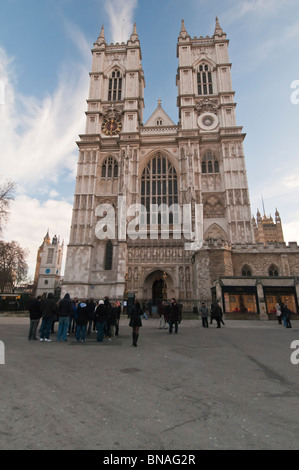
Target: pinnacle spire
x,y
134,35
183,32
218,30
101,38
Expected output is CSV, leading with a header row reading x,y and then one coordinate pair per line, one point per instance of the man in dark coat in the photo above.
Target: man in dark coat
x,y
35,316
49,310
64,314
174,316
217,313
82,319
101,316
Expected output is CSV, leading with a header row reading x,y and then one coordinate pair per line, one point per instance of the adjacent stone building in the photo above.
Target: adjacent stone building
x,y
162,209
47,278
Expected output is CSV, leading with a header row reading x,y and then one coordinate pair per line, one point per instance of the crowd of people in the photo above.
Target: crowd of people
x,y
80,317
73,316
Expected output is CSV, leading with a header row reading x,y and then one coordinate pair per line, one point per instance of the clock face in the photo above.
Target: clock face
x,y
208,121
111,127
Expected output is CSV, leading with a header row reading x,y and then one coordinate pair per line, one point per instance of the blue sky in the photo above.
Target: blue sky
x,y
45,62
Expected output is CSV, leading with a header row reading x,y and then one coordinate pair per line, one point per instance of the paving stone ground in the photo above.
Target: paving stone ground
x,y
202,389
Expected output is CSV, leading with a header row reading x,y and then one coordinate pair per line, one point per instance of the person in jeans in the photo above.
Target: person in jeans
x,y
35,316
64,313
49,310
174,316
82,319
101,316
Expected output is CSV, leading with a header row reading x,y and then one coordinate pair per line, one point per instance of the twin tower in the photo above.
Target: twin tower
x,y
150,197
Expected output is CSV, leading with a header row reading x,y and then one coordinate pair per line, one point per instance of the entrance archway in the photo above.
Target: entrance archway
x,y
158,285
159,291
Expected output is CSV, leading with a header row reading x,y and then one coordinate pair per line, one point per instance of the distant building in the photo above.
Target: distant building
x,y
47,276
265,230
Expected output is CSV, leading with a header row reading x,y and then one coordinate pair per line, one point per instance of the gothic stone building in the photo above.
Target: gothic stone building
x,y
47,277
161,209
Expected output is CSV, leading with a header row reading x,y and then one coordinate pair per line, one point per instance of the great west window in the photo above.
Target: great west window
x,y
159,186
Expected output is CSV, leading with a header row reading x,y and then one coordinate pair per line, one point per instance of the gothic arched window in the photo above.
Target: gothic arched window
x,y
246,271
115,86
209,163
159,185
110,168
204,80
273,271
108,256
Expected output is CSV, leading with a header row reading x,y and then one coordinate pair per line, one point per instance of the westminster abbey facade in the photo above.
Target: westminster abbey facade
x,y
162,209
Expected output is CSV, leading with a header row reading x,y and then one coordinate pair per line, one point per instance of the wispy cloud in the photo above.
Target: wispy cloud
x,y
38,138
121,15
38,149
260,8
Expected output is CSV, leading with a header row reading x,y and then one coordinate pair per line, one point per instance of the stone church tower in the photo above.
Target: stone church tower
x,y
47,278
187,181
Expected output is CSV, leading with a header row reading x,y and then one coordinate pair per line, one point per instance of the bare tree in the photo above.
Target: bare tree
x,y
7,189
13,266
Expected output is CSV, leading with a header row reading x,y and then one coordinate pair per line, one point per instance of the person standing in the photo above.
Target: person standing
x,y
113,319
286,315
91,308
48,310
278,313
117,318
204,312
100,319
161,309
35,316
82,319
135,321
64,313
174,316
217,313
72,324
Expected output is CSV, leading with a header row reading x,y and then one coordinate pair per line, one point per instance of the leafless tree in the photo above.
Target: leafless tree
x,y
7,189
13,266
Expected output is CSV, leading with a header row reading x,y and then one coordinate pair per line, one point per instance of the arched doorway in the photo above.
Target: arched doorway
x,y
159,292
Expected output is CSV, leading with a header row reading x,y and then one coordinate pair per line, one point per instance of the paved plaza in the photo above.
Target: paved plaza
x,y
228,388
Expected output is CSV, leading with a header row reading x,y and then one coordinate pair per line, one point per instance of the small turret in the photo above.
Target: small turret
x,y
218,30
134,36
101,38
